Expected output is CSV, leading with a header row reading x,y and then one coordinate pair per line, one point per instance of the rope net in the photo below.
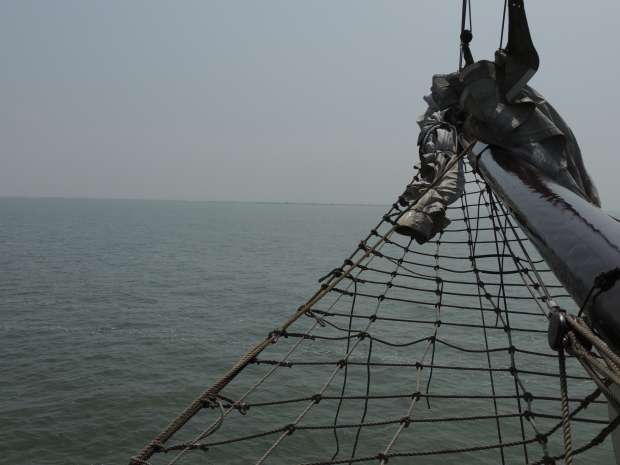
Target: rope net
x,y
433,353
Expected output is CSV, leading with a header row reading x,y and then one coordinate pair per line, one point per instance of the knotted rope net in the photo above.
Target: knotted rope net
x,y
409,353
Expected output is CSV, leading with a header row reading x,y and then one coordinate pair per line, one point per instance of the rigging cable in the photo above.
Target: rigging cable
x,y
466,35
501,35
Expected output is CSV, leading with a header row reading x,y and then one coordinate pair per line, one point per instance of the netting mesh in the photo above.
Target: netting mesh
x,y
433,353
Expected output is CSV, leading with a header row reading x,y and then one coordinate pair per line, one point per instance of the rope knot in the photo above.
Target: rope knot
x,y
242,407
275,335
209,402
157,446
341,363
317,398
387,219
138,461
290,428
382,457
337,272
405,421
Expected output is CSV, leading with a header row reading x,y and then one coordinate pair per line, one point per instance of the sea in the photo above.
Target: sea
x,y
115,314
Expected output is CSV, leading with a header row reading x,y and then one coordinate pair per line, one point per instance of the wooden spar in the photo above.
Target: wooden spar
x,y
578,240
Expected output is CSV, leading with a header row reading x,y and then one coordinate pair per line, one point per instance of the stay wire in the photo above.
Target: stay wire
x,y
501,35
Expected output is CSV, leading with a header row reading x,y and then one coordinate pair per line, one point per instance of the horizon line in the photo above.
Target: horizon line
x,y
147,199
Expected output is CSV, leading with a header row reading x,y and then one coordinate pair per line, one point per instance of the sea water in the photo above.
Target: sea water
x,y
115,314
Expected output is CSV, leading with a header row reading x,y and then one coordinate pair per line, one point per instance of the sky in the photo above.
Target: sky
x,y
267,100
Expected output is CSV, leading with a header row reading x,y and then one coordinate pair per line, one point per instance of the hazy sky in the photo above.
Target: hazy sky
x,y
288,100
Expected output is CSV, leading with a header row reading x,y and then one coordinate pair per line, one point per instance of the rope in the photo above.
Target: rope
x,y
566,431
